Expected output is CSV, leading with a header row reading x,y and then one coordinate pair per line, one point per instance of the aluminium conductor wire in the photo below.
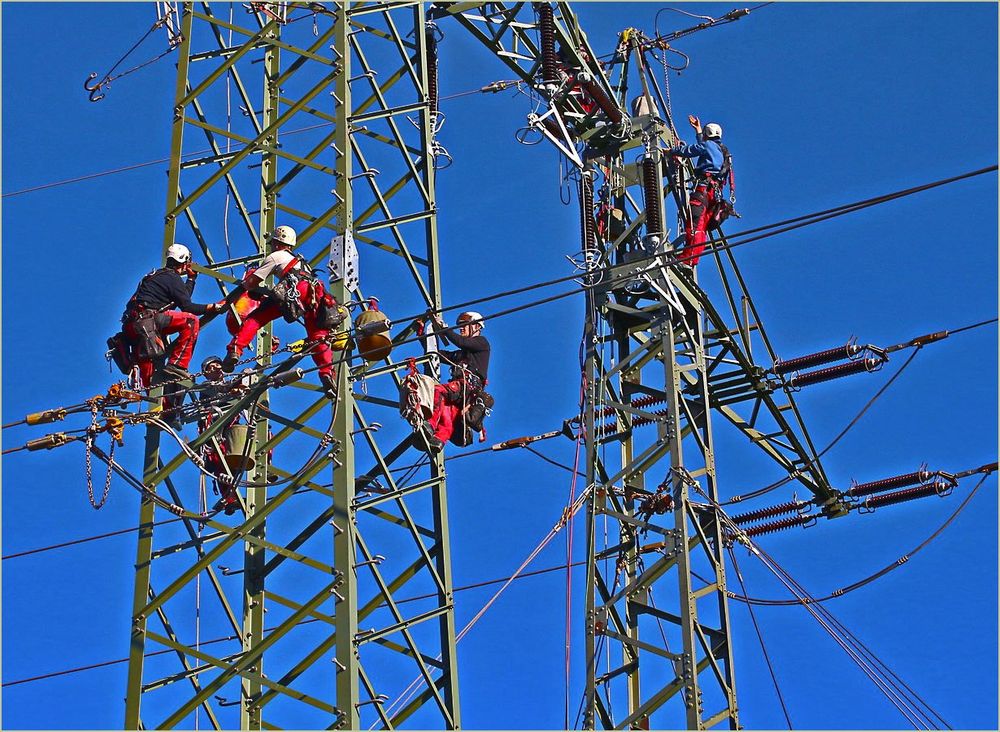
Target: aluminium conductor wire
x,y
868,658
853,653
102,664
873,577
873,666
848,208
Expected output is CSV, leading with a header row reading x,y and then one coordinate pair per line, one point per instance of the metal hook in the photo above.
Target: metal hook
x,y
370,173
379,699
94,96
376,560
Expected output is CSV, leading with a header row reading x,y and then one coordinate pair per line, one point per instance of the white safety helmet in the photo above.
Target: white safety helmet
x,y
713,131
283,235
179,253
471,316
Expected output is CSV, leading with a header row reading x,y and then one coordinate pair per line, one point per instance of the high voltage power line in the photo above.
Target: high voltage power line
x,y
524,575
779,227
874,668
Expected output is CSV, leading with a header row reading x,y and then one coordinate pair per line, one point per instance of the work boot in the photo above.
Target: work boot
x,y
329,386
426,440
230,498
230,361
169,372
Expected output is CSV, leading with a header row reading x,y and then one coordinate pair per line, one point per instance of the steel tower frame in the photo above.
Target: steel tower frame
x,y
298,124
652,335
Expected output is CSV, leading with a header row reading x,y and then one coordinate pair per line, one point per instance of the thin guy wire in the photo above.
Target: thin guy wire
x,y
760,638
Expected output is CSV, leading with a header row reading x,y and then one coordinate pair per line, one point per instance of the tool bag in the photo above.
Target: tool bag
x,y
120,352
416,398
722,209
330,314
285,295
147,341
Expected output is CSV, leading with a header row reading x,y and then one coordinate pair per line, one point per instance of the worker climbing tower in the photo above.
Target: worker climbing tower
x,y
290,612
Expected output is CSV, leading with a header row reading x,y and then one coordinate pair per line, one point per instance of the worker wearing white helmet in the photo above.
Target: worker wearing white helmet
x,y
712,167
160,307
473,349
461,404
302,295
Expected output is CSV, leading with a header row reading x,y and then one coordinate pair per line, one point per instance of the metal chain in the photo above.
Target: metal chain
x,y
666,96
91,432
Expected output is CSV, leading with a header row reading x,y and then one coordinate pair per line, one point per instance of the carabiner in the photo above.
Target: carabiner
x,y
94,96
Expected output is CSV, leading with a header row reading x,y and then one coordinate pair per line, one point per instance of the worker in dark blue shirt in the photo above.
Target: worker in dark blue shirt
x,y
711,162
160,307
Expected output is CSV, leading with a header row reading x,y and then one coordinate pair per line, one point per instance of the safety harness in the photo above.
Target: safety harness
x,y
723,207
144,341
286,295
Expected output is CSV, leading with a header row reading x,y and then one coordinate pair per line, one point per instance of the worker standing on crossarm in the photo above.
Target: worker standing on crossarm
x,y
712,167
297,293
461,404
160,307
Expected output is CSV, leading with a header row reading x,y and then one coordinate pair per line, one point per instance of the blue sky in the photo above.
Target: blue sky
x,y
822,104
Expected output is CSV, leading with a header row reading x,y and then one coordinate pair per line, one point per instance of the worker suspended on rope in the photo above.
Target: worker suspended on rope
x,y
160,307
708,206
297,292
461,404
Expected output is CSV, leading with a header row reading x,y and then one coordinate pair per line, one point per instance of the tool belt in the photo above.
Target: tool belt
x,y
141,329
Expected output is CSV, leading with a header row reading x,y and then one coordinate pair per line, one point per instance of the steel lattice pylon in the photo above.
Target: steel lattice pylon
x,y
329,595
315,151
653,337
